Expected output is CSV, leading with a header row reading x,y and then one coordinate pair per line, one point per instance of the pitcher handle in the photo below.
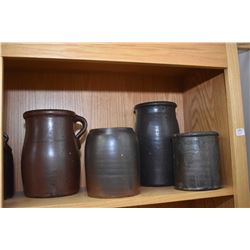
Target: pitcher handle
x,y
82,129
6,137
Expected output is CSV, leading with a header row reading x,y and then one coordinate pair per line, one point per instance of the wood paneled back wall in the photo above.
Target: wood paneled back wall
x,y
105,99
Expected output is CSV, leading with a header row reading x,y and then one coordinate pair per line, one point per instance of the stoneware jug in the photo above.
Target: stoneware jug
x,y
112,163
197,161
8,169
51,153
156,123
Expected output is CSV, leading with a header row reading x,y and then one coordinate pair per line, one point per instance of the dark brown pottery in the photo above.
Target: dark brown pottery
x,y
51,153
155,125
8,169
112,163
196,161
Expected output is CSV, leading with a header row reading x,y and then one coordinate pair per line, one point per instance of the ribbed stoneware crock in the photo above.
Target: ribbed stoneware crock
x,y
197,161
112,163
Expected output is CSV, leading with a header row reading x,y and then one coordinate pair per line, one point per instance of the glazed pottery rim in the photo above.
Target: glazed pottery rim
x,y
58,112
197,133
112,129
154,103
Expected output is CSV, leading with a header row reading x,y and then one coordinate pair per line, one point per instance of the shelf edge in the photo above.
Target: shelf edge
x,y
141,199
183,54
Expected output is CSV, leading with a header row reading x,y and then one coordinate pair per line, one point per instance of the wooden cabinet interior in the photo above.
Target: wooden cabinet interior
x,y
105,94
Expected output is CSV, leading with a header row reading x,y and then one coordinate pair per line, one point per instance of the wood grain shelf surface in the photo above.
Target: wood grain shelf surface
x,y
189,54
148,195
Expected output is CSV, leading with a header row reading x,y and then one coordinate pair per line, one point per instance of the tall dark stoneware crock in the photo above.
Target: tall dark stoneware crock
x,y
155,125
51,153
8,169
112,163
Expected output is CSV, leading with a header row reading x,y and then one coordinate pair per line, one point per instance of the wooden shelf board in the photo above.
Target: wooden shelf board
x,y
189,54
148,195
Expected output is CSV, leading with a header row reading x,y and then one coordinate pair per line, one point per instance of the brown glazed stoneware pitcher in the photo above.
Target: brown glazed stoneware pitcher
x,y
51,153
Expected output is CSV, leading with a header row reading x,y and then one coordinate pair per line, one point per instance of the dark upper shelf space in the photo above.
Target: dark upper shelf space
x,y
177,78
61,65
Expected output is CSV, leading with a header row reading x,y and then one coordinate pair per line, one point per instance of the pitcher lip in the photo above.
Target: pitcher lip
x,y
164,103
59,112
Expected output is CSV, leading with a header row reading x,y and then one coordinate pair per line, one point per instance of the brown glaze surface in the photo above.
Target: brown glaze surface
x,y
112,163
51,156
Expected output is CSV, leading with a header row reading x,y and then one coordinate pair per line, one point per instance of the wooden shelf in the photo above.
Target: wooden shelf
x,y
148,195
189,54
